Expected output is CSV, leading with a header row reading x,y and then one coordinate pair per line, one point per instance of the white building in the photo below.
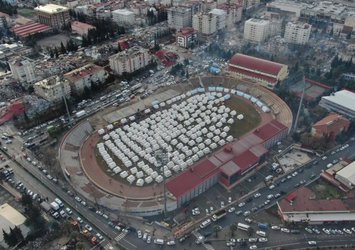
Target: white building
x,y
179,17
204,23
52,89
129,60
123,17
221,18
347,175
256,30
22,70
85,76
297,33
287,8
341,102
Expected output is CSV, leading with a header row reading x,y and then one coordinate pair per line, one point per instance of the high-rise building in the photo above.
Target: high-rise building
x,y
205,23
179,17
186,37
123,17
256,30
53,15
297,33
221,18
129,60
22,70
52,89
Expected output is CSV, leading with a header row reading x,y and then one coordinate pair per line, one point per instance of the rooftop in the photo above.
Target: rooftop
x,y
246,160
256,64
123,12
343,98
135,50
303,200
49,83
257,20
348,173
82,72
329,120
30,29
82,25
51,8
218,12
269,130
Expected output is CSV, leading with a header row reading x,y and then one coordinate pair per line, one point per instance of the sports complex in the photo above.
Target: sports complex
x,y
212,130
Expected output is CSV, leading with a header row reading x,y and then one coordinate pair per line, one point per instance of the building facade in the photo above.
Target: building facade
x,y
221,16
123,17
186,37
129,60
297,33
85,77
53,15
22,70
52,89
347,175
330,126
205,23
256,30
341,102
179,17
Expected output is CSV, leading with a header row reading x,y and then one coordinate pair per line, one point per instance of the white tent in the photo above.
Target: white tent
x,y
140,182
101,131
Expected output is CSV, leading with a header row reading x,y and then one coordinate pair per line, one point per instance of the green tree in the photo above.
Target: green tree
x,y
232,229
11,239
6,237
18,234
62,48
250,231
26,200
216,229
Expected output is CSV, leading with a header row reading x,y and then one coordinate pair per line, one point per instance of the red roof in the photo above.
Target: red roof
x,y
186,31
269,130
30,29
12,110
254,63
246,160
269,79
191,178
304,201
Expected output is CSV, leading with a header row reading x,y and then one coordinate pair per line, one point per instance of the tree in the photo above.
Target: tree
x,y
62,48
232,229
18,234
26,201
216,229
6,237
250,231
11,239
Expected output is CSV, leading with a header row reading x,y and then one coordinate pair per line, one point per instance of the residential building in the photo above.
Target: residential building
x,y
4,19
205,24
330,126
261,71
256,30
341,102
123,17
22,70
129,60
297,33
221,16
347,175
84,77
234,13
186,37
53,15
179,17
80,28
9,219
52,89
302,206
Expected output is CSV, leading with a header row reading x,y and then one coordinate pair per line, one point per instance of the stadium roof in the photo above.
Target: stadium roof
x,y
348,173
256,64
191,178
30,29
269,79
343,98
269,130
246,160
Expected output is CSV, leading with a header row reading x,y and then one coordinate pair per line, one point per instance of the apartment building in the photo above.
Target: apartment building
x,y
179,17
221,16
123,17
186,37
22,70
256,30
129,60
80,28
52,89
205,23
85,76
53,15
297,33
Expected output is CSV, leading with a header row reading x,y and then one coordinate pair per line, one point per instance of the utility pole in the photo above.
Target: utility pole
x,y
162,158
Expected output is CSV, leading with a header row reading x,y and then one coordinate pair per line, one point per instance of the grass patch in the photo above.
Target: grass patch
x,y
324,190
251,117
29,13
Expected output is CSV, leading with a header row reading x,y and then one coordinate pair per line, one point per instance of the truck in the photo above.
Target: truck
x,y
263,226
80,113
54,205
219,215
45,206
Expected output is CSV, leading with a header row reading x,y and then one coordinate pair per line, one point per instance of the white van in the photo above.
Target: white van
x,y
159,241
59,202
261,233
269,178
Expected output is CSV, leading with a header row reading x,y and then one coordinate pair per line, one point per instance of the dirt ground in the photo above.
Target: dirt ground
x,y
53,41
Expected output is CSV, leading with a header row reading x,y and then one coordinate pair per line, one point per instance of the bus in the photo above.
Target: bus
x,y
242,226
219,215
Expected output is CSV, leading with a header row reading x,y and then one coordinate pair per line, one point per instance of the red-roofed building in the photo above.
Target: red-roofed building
x,y
26,30
303,206
330,126
80,28
271,133
263,72
14,109
186,37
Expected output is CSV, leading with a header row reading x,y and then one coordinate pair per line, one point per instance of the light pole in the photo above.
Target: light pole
x,y
162,158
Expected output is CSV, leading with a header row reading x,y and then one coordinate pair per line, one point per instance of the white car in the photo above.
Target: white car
x,y
275,228
262,239
139,233
326,231
253,247
68,210
348,231
308,230
171,243
242,204
285,230
222,204
256,195
270,196
246,213
312,243
229,199
80,220
99,236
231,209
145,235
149,239
88,227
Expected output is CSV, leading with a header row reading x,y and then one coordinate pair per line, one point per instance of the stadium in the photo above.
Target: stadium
x,y
211,130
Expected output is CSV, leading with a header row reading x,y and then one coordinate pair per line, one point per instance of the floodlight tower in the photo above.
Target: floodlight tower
x,y
300,106
162,158
65,100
